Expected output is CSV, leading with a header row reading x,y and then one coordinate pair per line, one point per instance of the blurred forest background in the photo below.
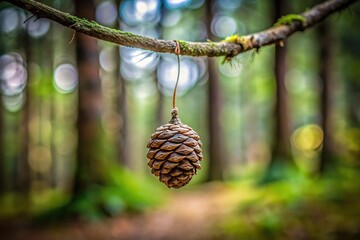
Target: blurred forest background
x,y
280,127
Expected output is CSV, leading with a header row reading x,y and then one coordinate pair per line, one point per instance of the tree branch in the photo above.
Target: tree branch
x,y
228,48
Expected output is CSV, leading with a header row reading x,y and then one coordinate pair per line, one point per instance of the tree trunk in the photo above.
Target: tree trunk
x,y
23,164
123,136
2,157
89,168
216,143
2,132
325,77
281,143
121,108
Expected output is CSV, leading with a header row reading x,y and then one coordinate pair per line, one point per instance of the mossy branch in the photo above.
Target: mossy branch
x,y
224,48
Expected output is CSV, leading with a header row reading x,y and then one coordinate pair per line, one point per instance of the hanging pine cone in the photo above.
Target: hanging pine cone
x,y
175,152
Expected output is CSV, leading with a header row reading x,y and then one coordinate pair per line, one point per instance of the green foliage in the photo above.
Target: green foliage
x,y
290,18
324,208
137,191
123,193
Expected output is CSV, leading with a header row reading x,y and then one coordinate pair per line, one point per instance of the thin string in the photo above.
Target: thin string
x,y
177,52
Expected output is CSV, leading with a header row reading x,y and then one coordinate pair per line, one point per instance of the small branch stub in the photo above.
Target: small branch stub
x,y
73,37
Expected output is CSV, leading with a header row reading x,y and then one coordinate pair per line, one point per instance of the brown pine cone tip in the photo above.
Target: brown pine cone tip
x,y
174,152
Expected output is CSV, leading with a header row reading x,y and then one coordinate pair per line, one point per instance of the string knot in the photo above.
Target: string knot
x,y
177,47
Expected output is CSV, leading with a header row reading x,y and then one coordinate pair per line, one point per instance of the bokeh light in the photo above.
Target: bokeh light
x,y
137,64
9,20
13,103
308,140
167,74
174,4
171,18
106,13
146,10
13,74
106,59
140,58
127,11
38,28
229,5
130,72
195,4
65,78
143,89
223,26
140,11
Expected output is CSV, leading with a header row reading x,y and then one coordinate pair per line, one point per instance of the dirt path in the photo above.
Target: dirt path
x,y
185,215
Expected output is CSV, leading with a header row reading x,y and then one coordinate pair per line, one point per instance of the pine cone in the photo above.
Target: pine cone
x,y
175,152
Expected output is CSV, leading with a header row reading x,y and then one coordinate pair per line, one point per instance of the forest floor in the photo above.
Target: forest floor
x,y
282,210
184,215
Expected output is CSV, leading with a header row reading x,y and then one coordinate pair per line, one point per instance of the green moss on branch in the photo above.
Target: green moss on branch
x,y
290,18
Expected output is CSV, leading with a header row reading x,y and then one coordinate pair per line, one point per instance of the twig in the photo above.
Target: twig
x,y
73,36
28,18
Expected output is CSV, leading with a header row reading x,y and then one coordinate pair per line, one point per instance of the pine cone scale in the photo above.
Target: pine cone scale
x,y
184,150
166,134
175,172
174,157
181,130
151,153
161,155
157,164
157,143
178,138
197,149
193,157
169,146
155,172
190,142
